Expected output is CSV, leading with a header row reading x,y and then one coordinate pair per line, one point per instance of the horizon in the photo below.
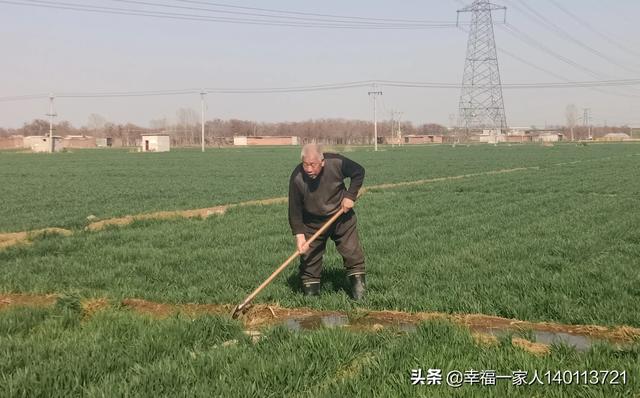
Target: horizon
x,y
68,51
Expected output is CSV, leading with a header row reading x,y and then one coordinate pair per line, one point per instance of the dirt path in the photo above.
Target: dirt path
x,y
14,238
219,210
262,315
26,237
159,215
28,300
458,177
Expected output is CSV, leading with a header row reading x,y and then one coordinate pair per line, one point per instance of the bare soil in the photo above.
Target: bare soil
x,y
159,215
262,315
15,238
26,300
10,239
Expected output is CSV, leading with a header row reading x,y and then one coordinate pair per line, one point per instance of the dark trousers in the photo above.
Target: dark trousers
x,y
345,235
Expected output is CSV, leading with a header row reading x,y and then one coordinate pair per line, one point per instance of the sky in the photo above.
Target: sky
x,y
66,51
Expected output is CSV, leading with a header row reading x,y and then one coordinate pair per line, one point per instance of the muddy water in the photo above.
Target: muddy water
x,y
485,328
310,322
579,342
339,320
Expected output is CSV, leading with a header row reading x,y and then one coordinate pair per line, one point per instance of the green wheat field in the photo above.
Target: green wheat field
x,y
528,232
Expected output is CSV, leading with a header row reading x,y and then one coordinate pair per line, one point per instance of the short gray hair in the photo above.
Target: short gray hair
x,y
312,149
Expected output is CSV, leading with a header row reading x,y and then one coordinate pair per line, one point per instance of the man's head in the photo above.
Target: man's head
x,y
312,160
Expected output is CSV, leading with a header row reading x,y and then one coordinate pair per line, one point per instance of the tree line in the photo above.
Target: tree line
x,y
187,130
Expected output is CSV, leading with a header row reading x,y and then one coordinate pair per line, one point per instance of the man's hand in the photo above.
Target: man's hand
x,y
347,204
302,244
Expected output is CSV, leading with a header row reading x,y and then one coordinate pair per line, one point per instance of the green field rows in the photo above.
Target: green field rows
x,y
558,241
40,190
54,353
555,244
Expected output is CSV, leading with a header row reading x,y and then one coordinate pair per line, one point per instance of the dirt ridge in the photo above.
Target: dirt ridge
x,y
25,237
262,315
14,238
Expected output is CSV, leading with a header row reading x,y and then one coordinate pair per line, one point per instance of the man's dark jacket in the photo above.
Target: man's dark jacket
x,y
312,200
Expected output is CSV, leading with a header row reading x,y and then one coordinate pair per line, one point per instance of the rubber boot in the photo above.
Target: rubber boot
x,y
311,288
357,286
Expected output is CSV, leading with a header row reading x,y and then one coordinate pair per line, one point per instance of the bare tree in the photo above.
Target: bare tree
x,y
159,124
571,113
36,127
96,123
187,122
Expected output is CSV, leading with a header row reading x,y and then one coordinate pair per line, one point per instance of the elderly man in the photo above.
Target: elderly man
x,y
316,192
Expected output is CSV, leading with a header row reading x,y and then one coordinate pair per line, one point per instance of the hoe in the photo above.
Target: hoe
x,y
242,306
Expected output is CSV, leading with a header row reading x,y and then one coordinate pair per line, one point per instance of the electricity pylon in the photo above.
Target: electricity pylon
x,y
481,104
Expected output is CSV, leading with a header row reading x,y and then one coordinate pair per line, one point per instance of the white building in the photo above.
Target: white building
x,y
265,140
155,143
549,137
615,137
41,143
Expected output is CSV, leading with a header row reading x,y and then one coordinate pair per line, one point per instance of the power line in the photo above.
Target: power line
x,y
277,18
542,20
23,97
324,87
305,13
269,90
534,43
570,38
550,73
517,33
282,14
567,84
594,30
219,19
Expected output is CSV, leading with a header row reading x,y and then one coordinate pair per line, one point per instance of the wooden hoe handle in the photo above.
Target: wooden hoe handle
x,y
286,263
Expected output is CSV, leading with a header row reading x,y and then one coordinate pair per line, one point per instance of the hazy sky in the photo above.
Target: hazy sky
x,y
62,51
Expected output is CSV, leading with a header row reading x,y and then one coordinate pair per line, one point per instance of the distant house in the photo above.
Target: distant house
x,y
79,141
549,137
104,142
41,143
518,138
155,143
495,136
12,142
395,140
265,140
423,139
491,138
615,137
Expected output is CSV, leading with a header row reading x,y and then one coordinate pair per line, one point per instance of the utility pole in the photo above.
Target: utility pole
x,y
395,131
586,118
393,127
375,93
202,94
51,116
399,128
572,132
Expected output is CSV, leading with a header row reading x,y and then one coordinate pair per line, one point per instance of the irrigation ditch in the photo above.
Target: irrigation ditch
x,y
485,329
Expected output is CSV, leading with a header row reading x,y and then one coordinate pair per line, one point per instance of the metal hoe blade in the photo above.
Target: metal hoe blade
x,y
241,307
